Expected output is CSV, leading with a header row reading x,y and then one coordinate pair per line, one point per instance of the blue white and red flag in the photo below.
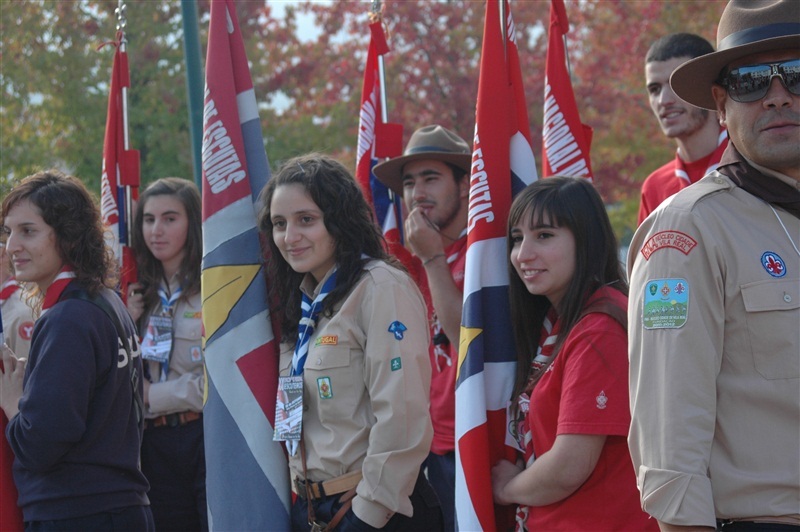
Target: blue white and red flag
x,y
565,140
247,473
377,140
119,181
502,164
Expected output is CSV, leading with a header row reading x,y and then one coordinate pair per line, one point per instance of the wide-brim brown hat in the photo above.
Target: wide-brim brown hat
x,y
429,142
746,27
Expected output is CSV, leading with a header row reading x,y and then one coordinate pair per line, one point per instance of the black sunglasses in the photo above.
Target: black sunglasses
x,y
750,83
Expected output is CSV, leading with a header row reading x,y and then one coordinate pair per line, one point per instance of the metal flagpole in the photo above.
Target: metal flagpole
x,y
376,15
503,25
122,23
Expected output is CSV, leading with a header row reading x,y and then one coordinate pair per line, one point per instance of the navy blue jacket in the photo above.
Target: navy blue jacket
x,y
76,438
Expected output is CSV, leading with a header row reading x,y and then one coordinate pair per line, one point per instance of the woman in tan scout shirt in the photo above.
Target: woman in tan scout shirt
x,y
166,307
353,356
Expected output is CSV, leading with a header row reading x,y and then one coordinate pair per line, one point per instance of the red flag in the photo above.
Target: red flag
x,y
119,182
502,164
566,141
247,474
376,139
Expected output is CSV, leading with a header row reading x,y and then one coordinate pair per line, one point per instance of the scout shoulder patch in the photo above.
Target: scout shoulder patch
x,y
668,239
666,304
397,328
397,364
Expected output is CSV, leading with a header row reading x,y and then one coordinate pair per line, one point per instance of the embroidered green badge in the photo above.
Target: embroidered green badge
x,y
396,364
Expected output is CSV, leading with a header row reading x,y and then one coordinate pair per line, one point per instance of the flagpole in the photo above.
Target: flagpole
x,y
122,23
502,5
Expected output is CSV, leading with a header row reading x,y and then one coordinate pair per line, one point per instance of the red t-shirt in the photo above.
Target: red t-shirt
x,y
444,357
677,175
585,391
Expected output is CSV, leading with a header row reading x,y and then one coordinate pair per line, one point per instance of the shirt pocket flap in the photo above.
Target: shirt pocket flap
x,y
771,295
328,358
188,328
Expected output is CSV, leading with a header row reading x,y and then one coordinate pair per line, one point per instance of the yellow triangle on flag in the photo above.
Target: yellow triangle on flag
x,y
222,287
468,334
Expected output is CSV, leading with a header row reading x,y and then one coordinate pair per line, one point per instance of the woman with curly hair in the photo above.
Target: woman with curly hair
x,y
166,306
354,356
75,413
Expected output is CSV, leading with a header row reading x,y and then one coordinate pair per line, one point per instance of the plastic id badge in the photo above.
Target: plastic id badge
x,y
157,341
289,409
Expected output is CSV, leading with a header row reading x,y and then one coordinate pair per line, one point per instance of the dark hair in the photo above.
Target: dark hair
x,y
71,211
678,45
347,217
150,269
574,204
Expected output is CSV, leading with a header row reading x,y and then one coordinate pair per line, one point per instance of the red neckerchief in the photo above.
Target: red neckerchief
x,y
7,289
56,288
542,360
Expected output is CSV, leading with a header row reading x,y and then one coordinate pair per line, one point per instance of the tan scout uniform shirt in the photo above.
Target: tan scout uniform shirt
x,y
715,369
183,389
365,392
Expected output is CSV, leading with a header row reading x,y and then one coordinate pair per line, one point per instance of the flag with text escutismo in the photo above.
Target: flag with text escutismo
x,y
247,479
502,165
565,140
119,181
377,140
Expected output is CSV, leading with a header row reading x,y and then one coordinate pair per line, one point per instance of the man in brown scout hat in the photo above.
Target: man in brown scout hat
x,y
432,176
715,297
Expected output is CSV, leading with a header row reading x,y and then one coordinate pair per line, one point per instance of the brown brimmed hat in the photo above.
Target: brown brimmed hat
x,y
429,142
746,27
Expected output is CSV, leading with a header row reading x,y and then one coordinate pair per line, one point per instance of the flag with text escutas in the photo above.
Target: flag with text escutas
x,y
247,480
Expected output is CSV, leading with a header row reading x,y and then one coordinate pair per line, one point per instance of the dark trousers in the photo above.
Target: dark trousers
x,y
427,514
173,460
442,476
130,519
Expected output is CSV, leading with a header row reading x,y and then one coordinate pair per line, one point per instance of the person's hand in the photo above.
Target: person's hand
x,y
422,235
135,301
12,371
502,473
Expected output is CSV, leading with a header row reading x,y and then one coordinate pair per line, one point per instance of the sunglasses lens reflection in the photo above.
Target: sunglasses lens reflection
x,y
751,83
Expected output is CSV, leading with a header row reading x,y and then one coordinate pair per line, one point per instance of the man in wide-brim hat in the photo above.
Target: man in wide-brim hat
x,y
432,177
715,296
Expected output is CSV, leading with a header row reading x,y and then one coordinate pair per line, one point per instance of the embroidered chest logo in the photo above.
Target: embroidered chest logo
x,y
602,400
324,387
397,328
773,263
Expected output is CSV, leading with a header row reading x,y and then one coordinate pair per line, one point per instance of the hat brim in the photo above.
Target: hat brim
x,y
692,80
390,172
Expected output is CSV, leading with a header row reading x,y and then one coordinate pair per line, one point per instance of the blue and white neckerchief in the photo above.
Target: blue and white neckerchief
x,y
167,309
308,321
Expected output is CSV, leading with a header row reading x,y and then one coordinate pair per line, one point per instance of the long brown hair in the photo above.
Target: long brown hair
x,y
347,217
150,269
574,204
71,211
